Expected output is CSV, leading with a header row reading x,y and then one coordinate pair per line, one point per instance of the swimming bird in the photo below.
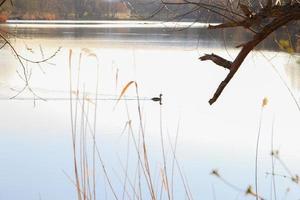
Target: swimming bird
x,y
158,99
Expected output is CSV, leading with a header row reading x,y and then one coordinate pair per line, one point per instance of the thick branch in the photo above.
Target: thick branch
x,y
249,46
256,18
217,60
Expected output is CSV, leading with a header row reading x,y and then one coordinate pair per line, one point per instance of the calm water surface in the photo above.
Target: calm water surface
x,y
35,136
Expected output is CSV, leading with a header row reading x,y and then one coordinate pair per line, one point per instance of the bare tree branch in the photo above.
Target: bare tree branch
x,y
217,60
279,17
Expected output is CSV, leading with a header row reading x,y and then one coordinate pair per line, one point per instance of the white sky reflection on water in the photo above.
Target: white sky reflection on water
x,y
102,24
36,141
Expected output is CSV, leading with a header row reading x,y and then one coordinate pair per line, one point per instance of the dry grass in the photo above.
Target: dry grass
x,y
136,178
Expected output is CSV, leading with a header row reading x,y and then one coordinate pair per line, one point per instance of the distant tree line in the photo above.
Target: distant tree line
x,y
68,9
101,9
113,9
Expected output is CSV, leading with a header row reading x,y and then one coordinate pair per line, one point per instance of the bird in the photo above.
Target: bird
x,y
158,99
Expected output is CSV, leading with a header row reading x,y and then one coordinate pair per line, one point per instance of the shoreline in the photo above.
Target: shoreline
x,y
103,24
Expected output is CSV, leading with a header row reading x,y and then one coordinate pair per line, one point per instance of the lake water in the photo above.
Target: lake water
x,y
36,137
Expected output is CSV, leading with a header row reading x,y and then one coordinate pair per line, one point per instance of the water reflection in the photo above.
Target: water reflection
x,y
7,69
37,136
293,72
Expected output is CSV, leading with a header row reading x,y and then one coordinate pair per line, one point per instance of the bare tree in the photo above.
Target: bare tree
x,y
25,73
259,17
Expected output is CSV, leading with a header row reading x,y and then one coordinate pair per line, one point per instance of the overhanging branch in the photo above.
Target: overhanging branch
x,y
278,16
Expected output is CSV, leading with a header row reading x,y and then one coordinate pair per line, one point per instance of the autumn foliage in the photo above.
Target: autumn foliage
x,y
39,16
3,18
